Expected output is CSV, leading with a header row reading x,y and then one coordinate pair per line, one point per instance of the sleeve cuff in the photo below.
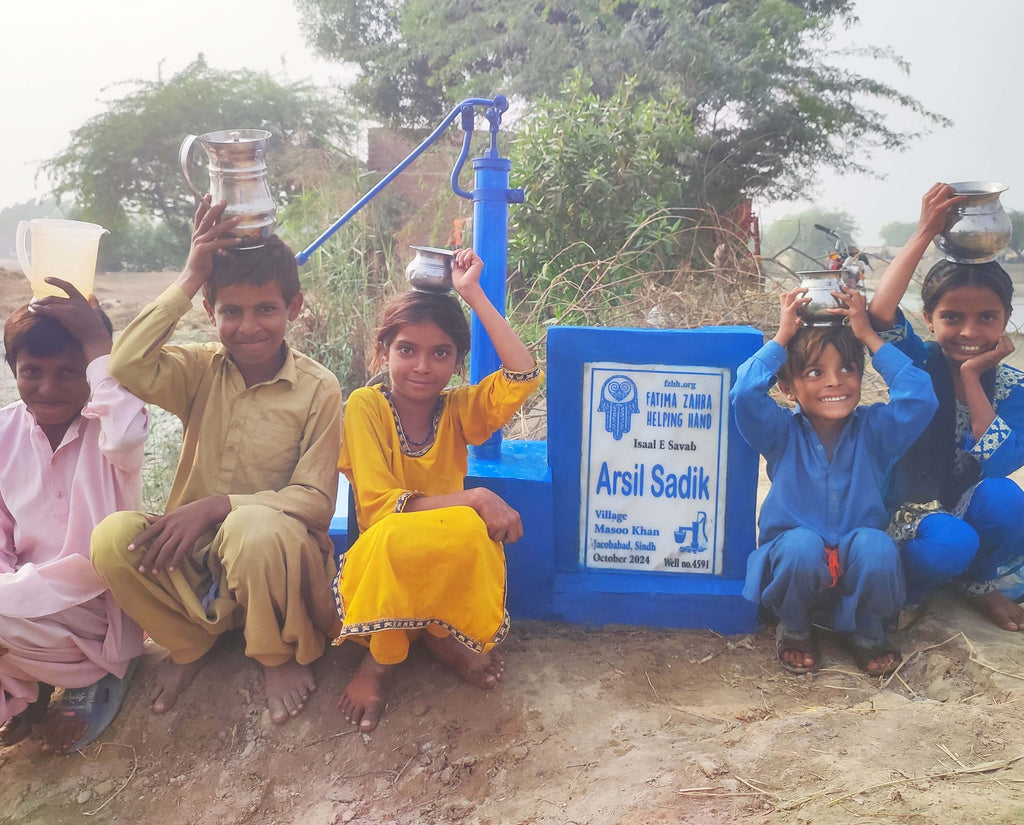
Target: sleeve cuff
x,y
98,370
898,331
405,498
772,355
991,440
521,377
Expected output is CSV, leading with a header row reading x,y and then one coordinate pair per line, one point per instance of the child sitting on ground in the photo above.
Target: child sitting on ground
x,y
243,541
430,560
73,448
822,548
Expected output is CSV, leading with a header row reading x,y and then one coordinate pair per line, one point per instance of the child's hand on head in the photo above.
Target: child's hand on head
x,y
790,304
209,236
78,315
466,270
856,313
935,206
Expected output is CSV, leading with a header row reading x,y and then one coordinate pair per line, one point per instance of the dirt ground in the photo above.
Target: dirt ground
x,y
589,726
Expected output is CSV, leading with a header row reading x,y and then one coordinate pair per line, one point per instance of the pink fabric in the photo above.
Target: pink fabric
x,y
49,503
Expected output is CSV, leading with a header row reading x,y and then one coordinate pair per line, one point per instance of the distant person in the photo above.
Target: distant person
x,y
72,454
823,556
243,541
430,561
959,518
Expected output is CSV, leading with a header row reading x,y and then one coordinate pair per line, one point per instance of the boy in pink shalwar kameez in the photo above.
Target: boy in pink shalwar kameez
x,y
71,453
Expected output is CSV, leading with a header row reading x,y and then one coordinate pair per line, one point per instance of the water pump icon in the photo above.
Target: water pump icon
x,y
696,531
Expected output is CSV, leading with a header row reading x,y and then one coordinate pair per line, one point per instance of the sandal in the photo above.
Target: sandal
x,y
96,705
864,650
787,640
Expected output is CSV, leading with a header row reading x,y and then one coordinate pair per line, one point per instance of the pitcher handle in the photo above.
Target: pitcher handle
x,y
23,227
183,156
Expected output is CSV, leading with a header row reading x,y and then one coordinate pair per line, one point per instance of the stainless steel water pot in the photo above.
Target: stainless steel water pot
x,y
238,175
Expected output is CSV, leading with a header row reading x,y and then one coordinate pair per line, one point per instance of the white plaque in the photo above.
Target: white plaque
x,y
653,467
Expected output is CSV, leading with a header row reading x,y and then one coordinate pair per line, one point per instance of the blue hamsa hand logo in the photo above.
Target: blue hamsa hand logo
x,y
618,403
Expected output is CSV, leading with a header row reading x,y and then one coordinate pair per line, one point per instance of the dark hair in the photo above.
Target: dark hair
x,y
414,307
274,261
41,335
809,343
946,276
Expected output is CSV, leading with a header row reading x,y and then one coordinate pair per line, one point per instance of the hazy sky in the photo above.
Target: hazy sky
x,y
63,58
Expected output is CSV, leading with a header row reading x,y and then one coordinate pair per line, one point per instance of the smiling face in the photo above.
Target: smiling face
x,y
421,360
251,321
967,321
827,389
53,388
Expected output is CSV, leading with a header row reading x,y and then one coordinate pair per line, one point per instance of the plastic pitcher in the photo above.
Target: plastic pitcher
x,y
60,249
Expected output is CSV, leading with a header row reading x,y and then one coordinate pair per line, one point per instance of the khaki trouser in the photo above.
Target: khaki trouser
x,y
273,580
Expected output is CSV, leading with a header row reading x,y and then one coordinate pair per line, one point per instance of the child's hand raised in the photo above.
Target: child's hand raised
x,y
209,236
78,315
935,206
467,267
790,304
856,314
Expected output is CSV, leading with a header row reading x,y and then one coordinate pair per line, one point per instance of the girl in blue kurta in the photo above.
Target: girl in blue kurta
x,y
959,518
823,551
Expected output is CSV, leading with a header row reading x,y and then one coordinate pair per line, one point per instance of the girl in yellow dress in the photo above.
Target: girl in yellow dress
x,y
429,561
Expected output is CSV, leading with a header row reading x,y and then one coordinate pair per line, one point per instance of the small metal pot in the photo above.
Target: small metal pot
x,y
431,269
978,229
820,285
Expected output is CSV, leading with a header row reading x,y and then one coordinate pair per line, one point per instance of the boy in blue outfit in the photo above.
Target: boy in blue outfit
x,y
822,545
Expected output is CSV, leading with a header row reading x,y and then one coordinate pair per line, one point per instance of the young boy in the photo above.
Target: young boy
x,y
822,545
243,541
72,453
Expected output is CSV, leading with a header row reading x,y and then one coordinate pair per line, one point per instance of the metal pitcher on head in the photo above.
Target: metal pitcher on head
x,y
238,175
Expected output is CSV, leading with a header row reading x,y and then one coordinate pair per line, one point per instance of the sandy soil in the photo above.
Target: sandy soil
x,y
590,726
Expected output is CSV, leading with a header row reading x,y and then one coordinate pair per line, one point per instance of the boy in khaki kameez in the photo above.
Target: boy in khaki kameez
x,y
243,541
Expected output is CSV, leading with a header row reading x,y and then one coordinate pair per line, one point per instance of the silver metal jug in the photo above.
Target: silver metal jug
x,y
431,269
820,285
238,175
978,229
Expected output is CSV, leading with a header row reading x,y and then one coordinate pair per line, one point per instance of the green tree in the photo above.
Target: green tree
x,y
755,79
897,233
124,161
597,170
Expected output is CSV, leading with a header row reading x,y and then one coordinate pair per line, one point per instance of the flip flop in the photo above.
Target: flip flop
x,y
97,705
864,650
787,640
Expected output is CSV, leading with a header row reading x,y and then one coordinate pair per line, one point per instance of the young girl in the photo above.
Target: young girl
x,y
960,517
822,548
73,448
429,562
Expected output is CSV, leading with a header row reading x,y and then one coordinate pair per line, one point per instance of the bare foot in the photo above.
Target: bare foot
x,y
481,669
288,687
882,665
59,731
171,679
1000,609
19,726
797,658
362,701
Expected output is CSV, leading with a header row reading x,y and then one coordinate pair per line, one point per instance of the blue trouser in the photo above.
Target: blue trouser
x,y
990,536
869,592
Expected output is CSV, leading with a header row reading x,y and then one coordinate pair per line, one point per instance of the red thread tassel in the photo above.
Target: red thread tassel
x,y
832,556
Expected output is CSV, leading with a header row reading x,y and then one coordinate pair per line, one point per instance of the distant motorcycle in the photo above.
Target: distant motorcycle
x,y
847,257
